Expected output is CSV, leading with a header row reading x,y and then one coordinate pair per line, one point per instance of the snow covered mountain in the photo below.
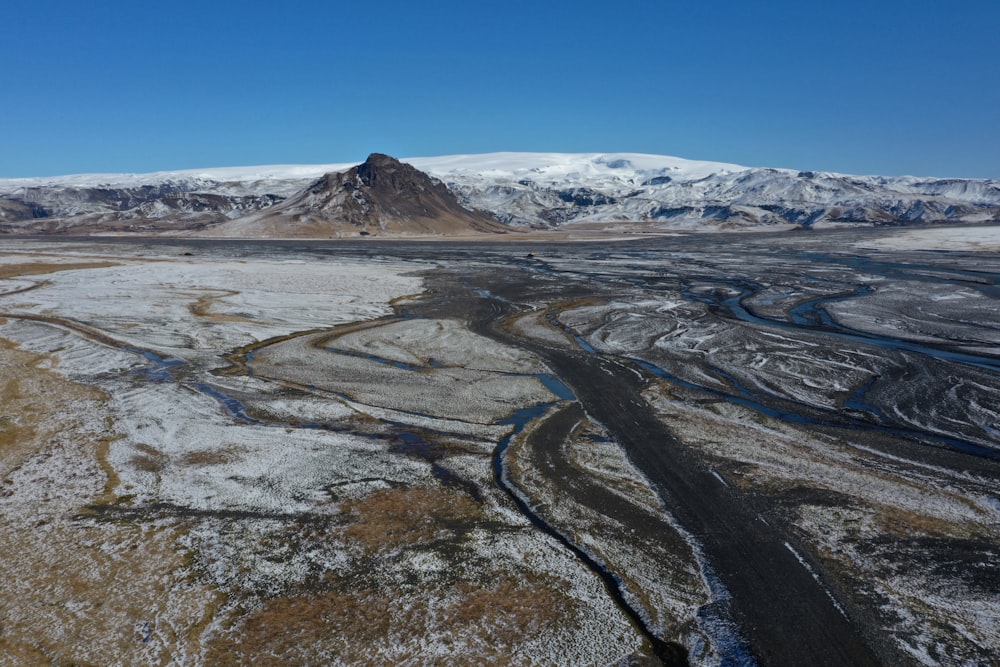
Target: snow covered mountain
x,y
542,190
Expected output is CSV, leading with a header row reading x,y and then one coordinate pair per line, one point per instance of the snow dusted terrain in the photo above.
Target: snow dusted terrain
x,y
144,522
548,188
226,452
542,190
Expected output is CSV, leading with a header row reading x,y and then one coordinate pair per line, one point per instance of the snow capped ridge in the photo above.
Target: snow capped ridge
x,y
541,190
556,167
552,165
551,189
260,173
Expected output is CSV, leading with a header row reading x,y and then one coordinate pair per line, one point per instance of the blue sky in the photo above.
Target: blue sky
x,y
873,87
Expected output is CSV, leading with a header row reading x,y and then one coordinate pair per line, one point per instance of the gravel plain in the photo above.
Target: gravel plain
x,y
440,453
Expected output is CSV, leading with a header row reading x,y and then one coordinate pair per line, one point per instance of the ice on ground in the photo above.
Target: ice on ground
x,y
438,343
445,392
164,528
975,239
187,307
883,514
182,449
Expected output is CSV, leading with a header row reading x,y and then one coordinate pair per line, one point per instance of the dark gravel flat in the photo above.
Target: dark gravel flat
x,y
785,615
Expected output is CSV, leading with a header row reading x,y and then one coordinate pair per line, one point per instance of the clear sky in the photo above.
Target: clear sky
x,y
860,86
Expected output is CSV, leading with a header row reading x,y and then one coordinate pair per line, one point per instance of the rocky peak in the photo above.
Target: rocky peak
x,y
384,171
385,176
385,195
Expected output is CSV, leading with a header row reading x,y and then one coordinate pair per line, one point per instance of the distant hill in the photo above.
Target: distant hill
x,y
476,193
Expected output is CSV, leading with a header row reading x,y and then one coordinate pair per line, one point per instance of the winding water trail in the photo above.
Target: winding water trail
x,y
811,316
670,654
763,577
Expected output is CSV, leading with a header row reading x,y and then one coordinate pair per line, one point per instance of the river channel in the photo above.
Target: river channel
x,y
807,411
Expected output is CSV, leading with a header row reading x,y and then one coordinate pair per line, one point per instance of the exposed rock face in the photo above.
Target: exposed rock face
x,y
495,192
380,196
384,195
15,210
170,206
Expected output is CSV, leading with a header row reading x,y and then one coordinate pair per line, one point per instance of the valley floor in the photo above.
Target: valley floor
x,y
768,449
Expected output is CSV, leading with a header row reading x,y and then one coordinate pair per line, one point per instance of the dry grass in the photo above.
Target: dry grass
x,y
390,518
82,594
403,299
112,480
74,593
509,611
350,619
202,308
367,627
81,329
906,523
238,358
27,396
41,268
208,457
150,459
293,630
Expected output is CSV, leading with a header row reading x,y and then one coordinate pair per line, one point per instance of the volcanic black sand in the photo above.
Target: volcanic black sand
x,y
785,615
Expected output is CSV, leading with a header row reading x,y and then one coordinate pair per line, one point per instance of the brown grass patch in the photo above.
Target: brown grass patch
x,y
510,610
201,308
207,457
82,329
389,518
27,397
238,358
406,297
74,593
103,450
295,630
98,595
41,268
364,626
907,523
150,460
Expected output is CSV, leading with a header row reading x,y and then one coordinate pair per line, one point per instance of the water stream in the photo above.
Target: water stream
x,y
669,653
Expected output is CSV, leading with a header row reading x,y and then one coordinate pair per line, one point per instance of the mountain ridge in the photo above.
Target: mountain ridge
x,y
523,190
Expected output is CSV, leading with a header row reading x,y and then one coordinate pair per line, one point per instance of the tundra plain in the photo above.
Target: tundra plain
x,y
724,449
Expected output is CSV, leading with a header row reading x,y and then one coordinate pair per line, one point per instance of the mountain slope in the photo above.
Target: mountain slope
x,y
542,190
547,190
380,196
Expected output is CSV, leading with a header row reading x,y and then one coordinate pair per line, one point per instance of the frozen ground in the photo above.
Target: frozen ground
x,y
847,397
981,239
222,453
161,513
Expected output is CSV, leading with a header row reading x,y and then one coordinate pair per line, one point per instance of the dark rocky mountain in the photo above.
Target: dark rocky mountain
x,y
381,196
